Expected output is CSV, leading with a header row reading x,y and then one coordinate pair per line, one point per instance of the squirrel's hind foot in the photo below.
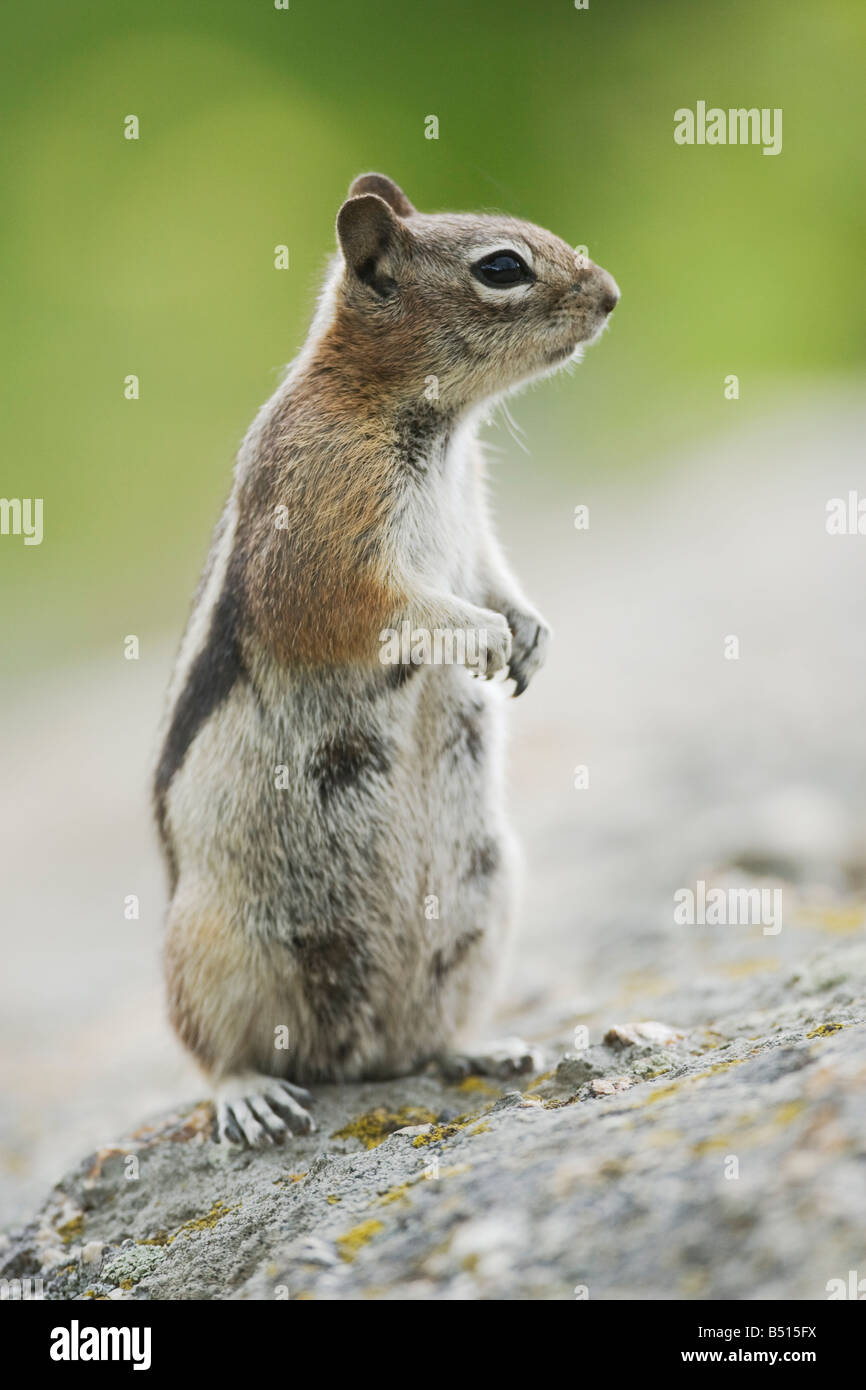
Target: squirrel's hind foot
x,y
256,1111
502,1059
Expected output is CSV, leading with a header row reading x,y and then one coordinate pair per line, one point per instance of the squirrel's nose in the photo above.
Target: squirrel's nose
x,y
609,293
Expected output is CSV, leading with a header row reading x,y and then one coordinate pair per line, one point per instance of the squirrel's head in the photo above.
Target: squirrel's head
x,y
481,303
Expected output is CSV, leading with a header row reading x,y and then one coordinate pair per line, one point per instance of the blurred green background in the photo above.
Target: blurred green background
x,y
155,257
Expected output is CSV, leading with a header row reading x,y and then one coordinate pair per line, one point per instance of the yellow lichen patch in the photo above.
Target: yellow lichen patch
x,y
825,1030
436,1133
198,1223
836,919
714,1070
397,1194
72,1230
559,1104
374,1128
127,1284
705,1146
477,1084
663,1092
289,1178
206,1222
332,1199
349,1244
540,1080
722,1066
439,1132
755,1130
786,1113
480,1129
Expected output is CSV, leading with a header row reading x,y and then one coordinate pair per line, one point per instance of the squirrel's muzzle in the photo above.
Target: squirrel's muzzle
x,y
596,287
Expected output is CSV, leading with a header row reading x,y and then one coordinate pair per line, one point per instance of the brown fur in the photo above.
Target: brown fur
x,y
318,593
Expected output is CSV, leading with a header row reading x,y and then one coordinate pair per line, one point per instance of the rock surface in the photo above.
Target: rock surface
x,y
720,1152
726,1163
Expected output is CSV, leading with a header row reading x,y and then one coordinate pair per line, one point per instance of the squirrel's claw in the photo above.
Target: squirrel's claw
x,y
257,1111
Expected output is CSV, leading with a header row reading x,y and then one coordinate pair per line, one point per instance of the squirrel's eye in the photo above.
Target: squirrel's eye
x,y
502,270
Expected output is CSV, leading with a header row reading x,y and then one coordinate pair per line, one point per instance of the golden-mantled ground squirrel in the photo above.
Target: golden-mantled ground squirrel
x,y
342,877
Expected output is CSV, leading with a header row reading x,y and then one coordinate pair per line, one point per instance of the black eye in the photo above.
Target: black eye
x,y
502,269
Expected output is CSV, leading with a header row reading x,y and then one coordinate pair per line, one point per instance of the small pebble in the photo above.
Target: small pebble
x,y
610,1085
642,1034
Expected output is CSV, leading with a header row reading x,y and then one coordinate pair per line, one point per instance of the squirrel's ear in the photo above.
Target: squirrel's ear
x,y
369,234
384,188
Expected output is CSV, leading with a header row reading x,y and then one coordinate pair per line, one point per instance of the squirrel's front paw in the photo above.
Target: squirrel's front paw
x,y
529,638
492,645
